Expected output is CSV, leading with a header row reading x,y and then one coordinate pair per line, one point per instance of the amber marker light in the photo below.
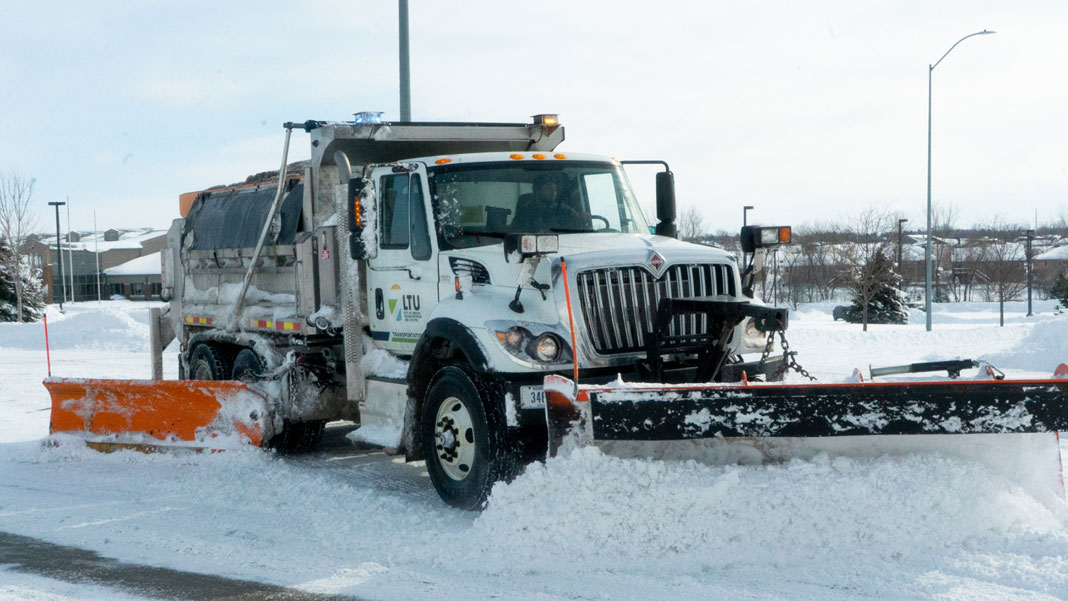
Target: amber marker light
x,y
442,161
538,156
559,156
515,156
784,235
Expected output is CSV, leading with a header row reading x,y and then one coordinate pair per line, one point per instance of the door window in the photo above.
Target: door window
x,y
395,203
404,221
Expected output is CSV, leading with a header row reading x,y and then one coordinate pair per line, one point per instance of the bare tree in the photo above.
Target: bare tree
x,y
968,263
943,227
1004,266
865,252
691,224
17,221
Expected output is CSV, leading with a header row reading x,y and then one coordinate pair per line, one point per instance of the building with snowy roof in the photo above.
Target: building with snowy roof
x,y
136,279
87,254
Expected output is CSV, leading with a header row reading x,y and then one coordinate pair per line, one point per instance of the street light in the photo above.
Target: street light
x,y
927,252
745,211
1030,269
900,257
405,62
59,255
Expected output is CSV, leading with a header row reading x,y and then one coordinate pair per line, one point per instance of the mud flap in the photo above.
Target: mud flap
x,y
150,414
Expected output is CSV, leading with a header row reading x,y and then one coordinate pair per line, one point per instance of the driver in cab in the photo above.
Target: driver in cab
x,y
544,211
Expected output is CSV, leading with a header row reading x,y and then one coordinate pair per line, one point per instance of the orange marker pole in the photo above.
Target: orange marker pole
x,y
570,317
48,355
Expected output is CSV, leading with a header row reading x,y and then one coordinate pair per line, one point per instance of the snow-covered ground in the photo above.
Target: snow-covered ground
x,y
589,526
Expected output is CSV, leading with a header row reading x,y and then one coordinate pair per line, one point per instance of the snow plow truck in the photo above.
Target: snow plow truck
x,y
472,296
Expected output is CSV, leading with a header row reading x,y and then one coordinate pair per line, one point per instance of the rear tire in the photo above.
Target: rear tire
x,y
295,436
248,367
207,363
464,434
299,436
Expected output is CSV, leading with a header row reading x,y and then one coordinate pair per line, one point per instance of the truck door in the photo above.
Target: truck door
x,y
402,281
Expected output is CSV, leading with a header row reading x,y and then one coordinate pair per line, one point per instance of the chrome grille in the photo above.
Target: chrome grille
x,y
619,303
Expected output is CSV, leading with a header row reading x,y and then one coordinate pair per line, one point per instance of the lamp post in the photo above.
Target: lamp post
x,y
405,63
1030,269
745,212
59,257
927,252
900,257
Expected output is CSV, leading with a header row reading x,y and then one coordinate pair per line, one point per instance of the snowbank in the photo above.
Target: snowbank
x,y
1042,350
107,326
618,514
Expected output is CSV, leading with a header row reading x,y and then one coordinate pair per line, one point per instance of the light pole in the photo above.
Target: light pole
x,y
1030,269
745,212
900,257
405,64
59,255
927,251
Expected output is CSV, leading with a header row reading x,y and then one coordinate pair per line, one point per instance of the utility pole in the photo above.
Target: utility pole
x,y
405,67
59,259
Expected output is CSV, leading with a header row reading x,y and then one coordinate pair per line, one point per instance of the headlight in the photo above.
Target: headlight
x,y
513,337
546,348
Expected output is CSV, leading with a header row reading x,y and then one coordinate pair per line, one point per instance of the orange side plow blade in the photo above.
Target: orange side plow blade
x,y
149,413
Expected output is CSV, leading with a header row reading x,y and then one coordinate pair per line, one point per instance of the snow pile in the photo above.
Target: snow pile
x,y
381,363
102,327
1041,350
610,513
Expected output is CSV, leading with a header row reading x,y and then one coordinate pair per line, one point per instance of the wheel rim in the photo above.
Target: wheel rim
x,y
203,372
454,439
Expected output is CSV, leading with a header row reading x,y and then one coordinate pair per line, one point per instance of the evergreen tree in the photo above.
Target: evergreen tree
x,y
887,302
32,293
7,285
32,289
1060,292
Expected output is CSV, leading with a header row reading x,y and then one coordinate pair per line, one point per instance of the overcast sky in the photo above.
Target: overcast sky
x,y
806,110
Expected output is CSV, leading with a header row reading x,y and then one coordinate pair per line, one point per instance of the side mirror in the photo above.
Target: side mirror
x,y
665,204
360,207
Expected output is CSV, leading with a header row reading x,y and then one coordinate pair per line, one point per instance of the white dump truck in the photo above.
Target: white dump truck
x,y
443,245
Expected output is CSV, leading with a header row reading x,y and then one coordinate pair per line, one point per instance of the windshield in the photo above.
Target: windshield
x,y
478,204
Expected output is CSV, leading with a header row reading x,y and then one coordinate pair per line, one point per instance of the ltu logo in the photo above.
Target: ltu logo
x,y
394,301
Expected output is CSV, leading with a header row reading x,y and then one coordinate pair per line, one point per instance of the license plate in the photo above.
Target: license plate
x,y
532,397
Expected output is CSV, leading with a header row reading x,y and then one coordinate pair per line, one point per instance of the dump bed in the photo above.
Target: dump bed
x,y
219,237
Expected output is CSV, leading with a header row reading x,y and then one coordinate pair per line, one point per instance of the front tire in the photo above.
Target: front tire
x,y
464,435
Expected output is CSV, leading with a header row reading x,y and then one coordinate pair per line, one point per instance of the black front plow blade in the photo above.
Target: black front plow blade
x,y
661,413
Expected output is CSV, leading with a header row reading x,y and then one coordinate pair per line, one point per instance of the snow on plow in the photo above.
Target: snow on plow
x,y
147,415
1010,426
